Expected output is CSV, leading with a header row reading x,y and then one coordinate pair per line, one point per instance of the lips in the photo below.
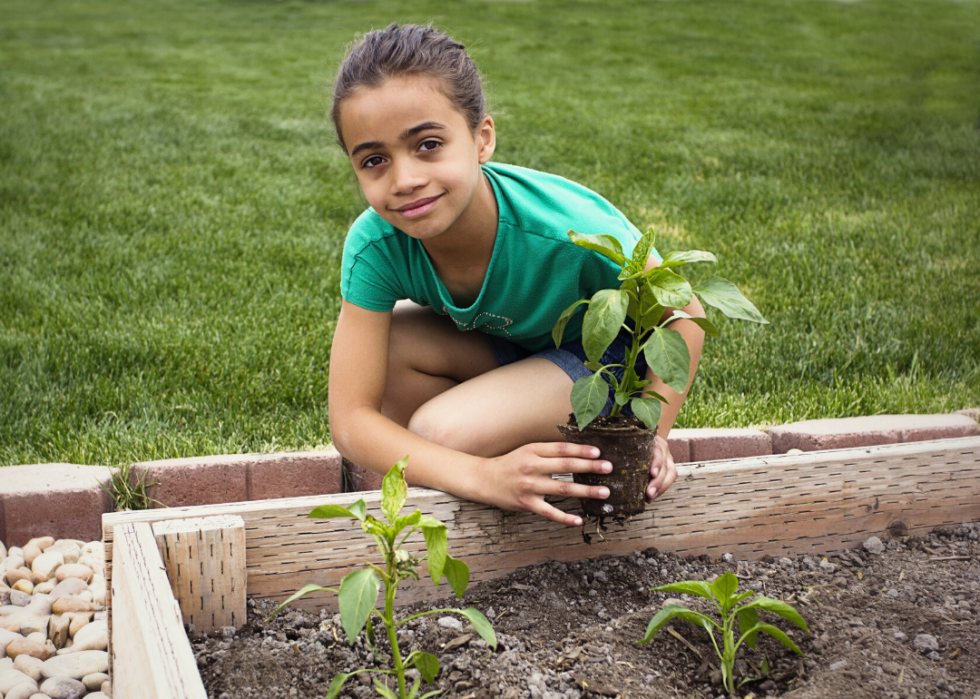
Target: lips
x,y
418,207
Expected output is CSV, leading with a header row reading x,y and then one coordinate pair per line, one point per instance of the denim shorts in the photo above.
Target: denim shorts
x,y
571,358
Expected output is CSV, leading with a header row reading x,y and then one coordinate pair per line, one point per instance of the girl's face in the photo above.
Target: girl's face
x,y
415,156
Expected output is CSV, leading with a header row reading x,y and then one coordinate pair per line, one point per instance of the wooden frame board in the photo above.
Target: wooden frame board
x,y
818,502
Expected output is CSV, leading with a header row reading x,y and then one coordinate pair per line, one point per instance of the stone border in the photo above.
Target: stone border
x,y
68,500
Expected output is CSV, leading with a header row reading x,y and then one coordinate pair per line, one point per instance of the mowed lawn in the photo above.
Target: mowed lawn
x,y
173,206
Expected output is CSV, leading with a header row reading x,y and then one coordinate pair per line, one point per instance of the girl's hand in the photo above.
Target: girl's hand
x,y
521,479
663,473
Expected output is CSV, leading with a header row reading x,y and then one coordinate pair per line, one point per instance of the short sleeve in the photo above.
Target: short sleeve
x,y
367,276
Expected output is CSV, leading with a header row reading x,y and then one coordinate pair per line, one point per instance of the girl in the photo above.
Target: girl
x,y
451,283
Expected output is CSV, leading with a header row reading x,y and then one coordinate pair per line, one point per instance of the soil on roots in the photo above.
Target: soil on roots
x,y
900,624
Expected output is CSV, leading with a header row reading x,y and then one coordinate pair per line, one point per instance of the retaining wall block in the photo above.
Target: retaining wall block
x,y
59,500
971,413
868,431
712,444
680,447
210,480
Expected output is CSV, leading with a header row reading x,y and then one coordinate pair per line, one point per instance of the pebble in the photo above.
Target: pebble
x,y
31,551
19,599
727,557
63,688
71,604
68,588
24,646
58,629
74,570
42,542
29,665
94,636
47,564
94,681
448,622
5,638
11,678
76,665
24,585
838,665
827,567
873,545
24,691
925,643
78,622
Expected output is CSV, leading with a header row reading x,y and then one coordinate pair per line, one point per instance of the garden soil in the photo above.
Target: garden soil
x,y
901,623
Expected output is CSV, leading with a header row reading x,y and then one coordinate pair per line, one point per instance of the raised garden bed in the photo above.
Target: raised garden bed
x,y
817,503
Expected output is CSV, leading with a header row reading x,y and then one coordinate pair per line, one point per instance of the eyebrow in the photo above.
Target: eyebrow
x,y
404,136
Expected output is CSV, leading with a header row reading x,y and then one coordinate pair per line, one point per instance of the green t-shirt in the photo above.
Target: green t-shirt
x,y
535,272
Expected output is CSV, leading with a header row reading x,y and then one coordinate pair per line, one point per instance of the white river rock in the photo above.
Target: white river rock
x,y
76,665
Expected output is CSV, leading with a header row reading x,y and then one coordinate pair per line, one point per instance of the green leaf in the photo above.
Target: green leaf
x,y
698,588
776,633
458,575
739,598
680,258
668,357
778,607
726,297
437,544
358,595
431,694
647,410
603,320
414,691
669,288
559,330
672,611
724,588
302,593
480,624
589,396
747,618
359,509
705,324
337,684
641,251
383,690
394,491
331,512
372,639
428,666
408,520
603,244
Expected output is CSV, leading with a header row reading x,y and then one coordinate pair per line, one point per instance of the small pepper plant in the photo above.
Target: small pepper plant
x,y
723,592
643,298
358,593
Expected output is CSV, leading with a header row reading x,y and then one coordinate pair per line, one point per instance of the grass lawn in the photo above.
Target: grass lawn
x,y
173,207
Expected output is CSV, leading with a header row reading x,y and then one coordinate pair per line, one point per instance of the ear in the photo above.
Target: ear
x,y
486,138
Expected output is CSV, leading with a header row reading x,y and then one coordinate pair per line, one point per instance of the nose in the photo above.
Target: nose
x,y
406,176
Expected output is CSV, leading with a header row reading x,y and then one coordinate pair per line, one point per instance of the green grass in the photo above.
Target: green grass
x,y
172,205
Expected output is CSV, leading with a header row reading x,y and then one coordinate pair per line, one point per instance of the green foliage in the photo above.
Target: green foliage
x,y
723,592
128,489
645,299
359,590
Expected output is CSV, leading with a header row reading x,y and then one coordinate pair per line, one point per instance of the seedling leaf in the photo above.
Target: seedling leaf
x,y
414,691
331,511
669,288
359,509
747,619
559,330
777,634
357,597
705,324
688,587
603,244
408,520
481,625
680,258
437,543
428,666
668,357
337,684
394,491
724,588
602,321
726,297
383,690
458,575
302,593
589,396
647,410
673,611
778,607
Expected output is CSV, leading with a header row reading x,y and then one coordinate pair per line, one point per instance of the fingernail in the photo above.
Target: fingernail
x,y
594,452
577,522
653,493
656,471
606,467
603,492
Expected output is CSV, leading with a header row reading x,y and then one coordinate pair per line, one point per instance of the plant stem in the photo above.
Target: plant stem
x,y
391,584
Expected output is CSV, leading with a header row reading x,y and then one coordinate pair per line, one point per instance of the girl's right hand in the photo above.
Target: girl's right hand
x,y
520,480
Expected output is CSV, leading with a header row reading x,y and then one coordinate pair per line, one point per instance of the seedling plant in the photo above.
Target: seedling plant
x,y
359,591
643,299
723,592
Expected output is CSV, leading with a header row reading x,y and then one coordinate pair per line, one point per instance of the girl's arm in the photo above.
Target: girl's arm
x,y
518,480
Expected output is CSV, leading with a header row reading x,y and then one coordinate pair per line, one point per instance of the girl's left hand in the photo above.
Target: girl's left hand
x,y
662,470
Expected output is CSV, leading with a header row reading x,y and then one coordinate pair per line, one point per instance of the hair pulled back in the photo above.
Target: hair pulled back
x,y
411,49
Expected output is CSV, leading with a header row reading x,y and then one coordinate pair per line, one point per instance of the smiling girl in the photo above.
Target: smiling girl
x,y
451,283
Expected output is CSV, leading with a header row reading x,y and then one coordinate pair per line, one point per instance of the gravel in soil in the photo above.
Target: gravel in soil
x,y
895,620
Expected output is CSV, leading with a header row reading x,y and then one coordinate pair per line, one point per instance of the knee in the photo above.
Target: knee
x,y
437,426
